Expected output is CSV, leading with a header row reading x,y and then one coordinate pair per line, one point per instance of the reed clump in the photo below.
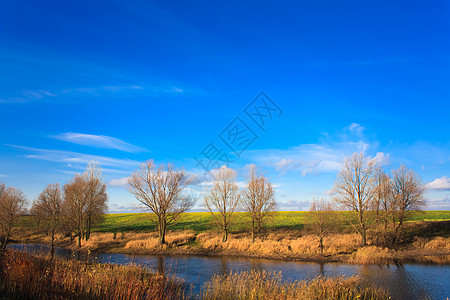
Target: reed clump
x,y
372,255
150,242
438,243
280,244
24,276
269,285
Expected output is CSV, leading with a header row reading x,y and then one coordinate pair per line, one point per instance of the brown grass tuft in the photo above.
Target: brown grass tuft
x,y
277,244
150,241
24,276
372,255
264,285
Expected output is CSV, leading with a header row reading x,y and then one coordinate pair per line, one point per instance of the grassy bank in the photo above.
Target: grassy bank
x,y
23,276
284,238
277,244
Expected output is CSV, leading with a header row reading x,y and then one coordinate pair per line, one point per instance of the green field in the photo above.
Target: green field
x,y
202,221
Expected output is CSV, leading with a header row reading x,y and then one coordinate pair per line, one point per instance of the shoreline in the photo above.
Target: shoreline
x,y
401,256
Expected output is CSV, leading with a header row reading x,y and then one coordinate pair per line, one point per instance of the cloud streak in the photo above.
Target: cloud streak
x,y
120,182
439,184
72,159
327,155
99,141
26,96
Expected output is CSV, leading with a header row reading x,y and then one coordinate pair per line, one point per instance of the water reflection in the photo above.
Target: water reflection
x,y
409,281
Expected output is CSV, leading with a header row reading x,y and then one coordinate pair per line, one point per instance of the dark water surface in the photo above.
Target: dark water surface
x,y
406,281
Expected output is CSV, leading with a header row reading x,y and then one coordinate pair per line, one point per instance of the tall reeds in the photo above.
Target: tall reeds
x,y
269,285
23,276
30,277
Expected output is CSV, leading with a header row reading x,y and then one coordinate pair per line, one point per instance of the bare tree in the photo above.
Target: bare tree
x,y
223,199
321,220
382,203
12,205
355,189
407,197
258,200
48,209
96,196
162,190
75,205
85,201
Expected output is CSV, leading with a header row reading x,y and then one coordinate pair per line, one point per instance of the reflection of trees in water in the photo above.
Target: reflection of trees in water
x,y
223,266
256,265
414,289
321,269
160,265
400,283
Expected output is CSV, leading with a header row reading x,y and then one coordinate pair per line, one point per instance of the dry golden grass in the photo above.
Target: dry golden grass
x,y
24,276
147,244
96,240
150,241
372,255
268,286
279,244
437,243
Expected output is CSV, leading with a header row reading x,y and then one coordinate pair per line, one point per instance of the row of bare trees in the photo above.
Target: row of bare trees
x,y
163,190
378,200
74,208
224,198
12,206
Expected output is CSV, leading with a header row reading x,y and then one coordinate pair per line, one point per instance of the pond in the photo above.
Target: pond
x,y
404,281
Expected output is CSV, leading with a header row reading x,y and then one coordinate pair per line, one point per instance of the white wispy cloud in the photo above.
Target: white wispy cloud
x,y
309,158
440,184
27,96
101,89
75,159
3,175
130,208
382,158
294,204
119,182
355,128
327,155
438,203
98,141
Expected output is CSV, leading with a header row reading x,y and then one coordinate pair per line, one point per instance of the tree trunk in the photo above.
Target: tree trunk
x,y
88,227
253,230
363,228
225,234
321,245
4,242
53,245
80,235
363,237
162,232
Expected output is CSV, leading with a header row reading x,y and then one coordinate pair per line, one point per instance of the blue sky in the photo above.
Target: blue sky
x,y
122,82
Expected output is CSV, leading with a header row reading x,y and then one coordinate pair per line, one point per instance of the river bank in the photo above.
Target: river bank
x,y
287,245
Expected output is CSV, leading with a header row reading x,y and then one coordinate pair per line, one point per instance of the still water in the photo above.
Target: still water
x,y
406,281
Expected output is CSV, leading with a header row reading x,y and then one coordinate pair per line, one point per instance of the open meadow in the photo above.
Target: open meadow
x,y
203,221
